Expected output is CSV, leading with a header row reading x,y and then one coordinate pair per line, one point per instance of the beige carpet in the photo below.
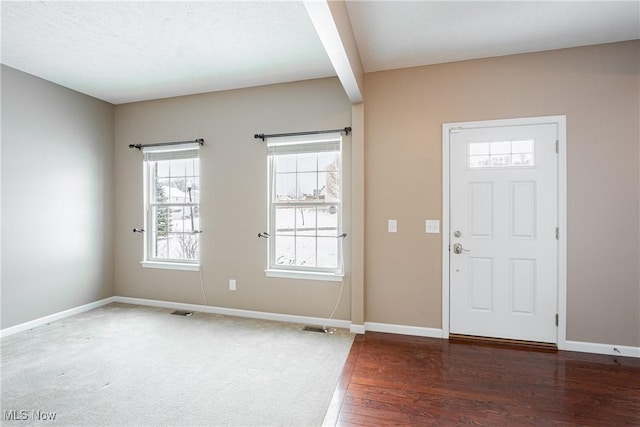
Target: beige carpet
x,y
129,365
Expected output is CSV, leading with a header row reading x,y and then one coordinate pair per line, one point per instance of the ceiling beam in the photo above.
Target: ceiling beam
x,y
331,21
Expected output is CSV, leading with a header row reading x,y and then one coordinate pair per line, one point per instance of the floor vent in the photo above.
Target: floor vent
x,y
315,329
182,313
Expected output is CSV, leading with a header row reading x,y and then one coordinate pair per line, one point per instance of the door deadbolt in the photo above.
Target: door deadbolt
x,y
457,233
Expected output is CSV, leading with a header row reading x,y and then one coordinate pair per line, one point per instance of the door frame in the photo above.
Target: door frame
x,y
561,123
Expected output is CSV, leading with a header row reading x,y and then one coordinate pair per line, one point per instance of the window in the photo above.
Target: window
x,y
305,204
501,154
172,204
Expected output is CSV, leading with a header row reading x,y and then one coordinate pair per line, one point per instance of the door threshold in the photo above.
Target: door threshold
x,y
503,342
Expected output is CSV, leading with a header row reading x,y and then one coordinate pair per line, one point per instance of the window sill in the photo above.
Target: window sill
x,y
305,275
170,265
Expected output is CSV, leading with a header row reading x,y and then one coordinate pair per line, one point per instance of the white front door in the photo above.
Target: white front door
x,y
503,240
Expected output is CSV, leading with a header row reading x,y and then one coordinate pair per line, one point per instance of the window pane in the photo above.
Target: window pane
x,y
522,159
285,220
161,221
307,162
501,160
174,248
191,168
284,252
306,221
161,191
522,146
328,252
180,219
285,186
285,163
176,218
184,246
477,148
503,154
162,169
322,186
479,161
307,186
500,147
329,161
306,251
192,190
196,216
177,192
305,180
159,245
191,220
329,186
328,221
172,227
179,167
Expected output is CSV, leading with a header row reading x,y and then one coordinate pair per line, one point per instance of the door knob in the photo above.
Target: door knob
x,y
458,249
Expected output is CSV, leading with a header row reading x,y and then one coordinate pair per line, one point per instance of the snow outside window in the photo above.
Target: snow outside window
x,y
172,204
305,204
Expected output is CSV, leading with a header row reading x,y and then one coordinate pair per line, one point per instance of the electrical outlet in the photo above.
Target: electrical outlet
x,y
392,226
232,284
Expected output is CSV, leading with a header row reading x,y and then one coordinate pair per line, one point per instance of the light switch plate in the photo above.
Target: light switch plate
x,y
432,226
393,226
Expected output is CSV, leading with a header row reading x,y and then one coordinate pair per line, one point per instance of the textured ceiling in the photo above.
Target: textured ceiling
x,y
128,51
392,34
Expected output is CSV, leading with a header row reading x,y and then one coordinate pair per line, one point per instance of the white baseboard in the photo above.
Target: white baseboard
x,y
53,317
584,347
289,318
356,329
403,330
608,349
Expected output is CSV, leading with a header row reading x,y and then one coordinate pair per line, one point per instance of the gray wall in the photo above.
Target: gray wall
x,y
233,197
57,198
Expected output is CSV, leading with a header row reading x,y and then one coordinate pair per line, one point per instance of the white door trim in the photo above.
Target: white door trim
x,y
561,123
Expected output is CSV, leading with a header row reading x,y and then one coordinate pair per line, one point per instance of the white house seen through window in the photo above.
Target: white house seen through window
x,y
305,204
172,208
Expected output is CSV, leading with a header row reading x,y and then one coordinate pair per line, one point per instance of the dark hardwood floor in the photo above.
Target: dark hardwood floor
x,y
399,380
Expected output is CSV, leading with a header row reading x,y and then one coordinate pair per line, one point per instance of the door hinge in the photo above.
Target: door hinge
x,y
557,233
557,146
556,319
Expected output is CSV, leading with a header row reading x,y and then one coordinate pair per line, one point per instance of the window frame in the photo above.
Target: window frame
x,y
300,271
167,153
510,154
